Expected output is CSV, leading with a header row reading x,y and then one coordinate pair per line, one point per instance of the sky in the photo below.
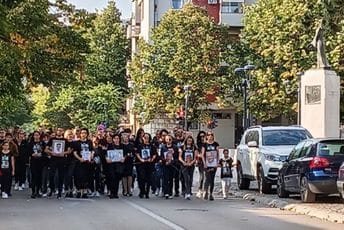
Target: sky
x,y
91,5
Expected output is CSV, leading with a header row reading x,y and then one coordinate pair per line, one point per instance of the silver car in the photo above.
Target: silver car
x,y
340,181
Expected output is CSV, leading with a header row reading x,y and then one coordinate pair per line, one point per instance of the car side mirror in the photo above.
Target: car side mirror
x,y
252,144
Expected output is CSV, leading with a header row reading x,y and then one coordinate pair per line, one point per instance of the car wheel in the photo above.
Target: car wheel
x,y
307,195
243,183
263,185
281,192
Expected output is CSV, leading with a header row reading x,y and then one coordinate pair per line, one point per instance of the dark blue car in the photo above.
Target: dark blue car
x,y
311,169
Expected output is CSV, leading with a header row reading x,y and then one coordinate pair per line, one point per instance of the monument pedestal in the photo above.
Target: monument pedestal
x,y
320,102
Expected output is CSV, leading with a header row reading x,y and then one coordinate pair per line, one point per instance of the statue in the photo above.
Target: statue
x,y
319,43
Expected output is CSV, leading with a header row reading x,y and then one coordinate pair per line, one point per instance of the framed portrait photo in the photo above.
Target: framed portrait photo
x,y
211,158
115,155
86,155
58,147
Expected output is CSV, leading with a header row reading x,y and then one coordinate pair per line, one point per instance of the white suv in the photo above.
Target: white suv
x,y
262,151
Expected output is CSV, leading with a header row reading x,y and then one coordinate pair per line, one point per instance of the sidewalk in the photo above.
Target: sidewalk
x,y
326,208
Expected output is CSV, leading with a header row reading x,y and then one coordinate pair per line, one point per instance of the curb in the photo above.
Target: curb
x,y
304,209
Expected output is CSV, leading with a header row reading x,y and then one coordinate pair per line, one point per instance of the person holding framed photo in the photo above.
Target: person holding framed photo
x,y
169,154
187,157
57,148
210,155
115,163
84,154
145,155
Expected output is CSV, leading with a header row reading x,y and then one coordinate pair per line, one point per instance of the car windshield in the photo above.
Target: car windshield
x,y
331,148
283,137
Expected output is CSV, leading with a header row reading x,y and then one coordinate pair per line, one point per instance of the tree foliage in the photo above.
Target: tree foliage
x,y
277,37
184,50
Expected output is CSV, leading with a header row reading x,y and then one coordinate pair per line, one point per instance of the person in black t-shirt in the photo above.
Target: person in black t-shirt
x,y
210,154
187,158
36,152
129,151
199,163
226,172
84,154
70,162
7,168
57,148
146,154
169,155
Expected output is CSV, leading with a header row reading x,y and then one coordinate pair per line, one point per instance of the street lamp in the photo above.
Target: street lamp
x,y
245,84
187,91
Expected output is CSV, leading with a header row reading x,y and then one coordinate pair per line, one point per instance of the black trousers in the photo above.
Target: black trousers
x,y
201,171
176,178
69,174
20,171
56,165
168,172
209,179
114,178
36,173
144,177
82,175
6,180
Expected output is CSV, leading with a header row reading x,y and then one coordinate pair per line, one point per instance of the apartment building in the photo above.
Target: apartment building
x,y
147,14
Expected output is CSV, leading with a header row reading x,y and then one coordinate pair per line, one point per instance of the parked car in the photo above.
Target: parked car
x,y
311,169
340,180
262,151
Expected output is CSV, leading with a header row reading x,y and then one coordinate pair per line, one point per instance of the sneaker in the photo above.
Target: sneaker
x,y
16,187
176,195
97,194
59,196
211,197
188,196
205,196
167,196
23,186
199,194
157,192
50,194
147,196
33,196
84,196
44,195
78,194
20,188
4,195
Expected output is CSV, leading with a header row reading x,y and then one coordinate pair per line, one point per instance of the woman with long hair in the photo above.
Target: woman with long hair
x,y
127,179
200,141
36,153
210,156
115,162
145,154
7,169
187,157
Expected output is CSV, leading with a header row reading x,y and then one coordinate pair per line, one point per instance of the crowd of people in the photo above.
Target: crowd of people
x,y
77,163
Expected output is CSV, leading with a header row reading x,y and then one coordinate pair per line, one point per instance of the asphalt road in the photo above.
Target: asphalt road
x,y
20,212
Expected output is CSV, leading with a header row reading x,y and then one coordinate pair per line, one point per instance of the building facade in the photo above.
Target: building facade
x,y
147,14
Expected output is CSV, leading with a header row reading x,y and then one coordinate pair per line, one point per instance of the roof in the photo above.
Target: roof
x,y
291,127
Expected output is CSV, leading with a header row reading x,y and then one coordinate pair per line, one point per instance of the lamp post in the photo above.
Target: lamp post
x,y
245,85
187,91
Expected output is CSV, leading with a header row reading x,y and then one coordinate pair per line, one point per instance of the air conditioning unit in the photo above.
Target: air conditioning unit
x,y
212,1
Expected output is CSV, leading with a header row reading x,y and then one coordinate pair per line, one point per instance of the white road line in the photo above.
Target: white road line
x,y
155,216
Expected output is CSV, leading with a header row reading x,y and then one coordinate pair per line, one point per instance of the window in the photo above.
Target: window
x,y
283,137
177,4
252,136
296,151
331,148
232,7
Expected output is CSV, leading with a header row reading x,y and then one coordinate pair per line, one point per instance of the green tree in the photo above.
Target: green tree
x,y
109,48
184,50
278,35
86,106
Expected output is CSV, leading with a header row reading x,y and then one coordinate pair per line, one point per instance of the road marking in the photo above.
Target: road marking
x,y
155,216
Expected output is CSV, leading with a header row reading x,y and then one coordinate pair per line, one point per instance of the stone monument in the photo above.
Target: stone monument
x,y
320,94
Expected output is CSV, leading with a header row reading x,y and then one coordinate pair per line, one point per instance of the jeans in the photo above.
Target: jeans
x,y
168,171
201,171
56,165
226,184
188,174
